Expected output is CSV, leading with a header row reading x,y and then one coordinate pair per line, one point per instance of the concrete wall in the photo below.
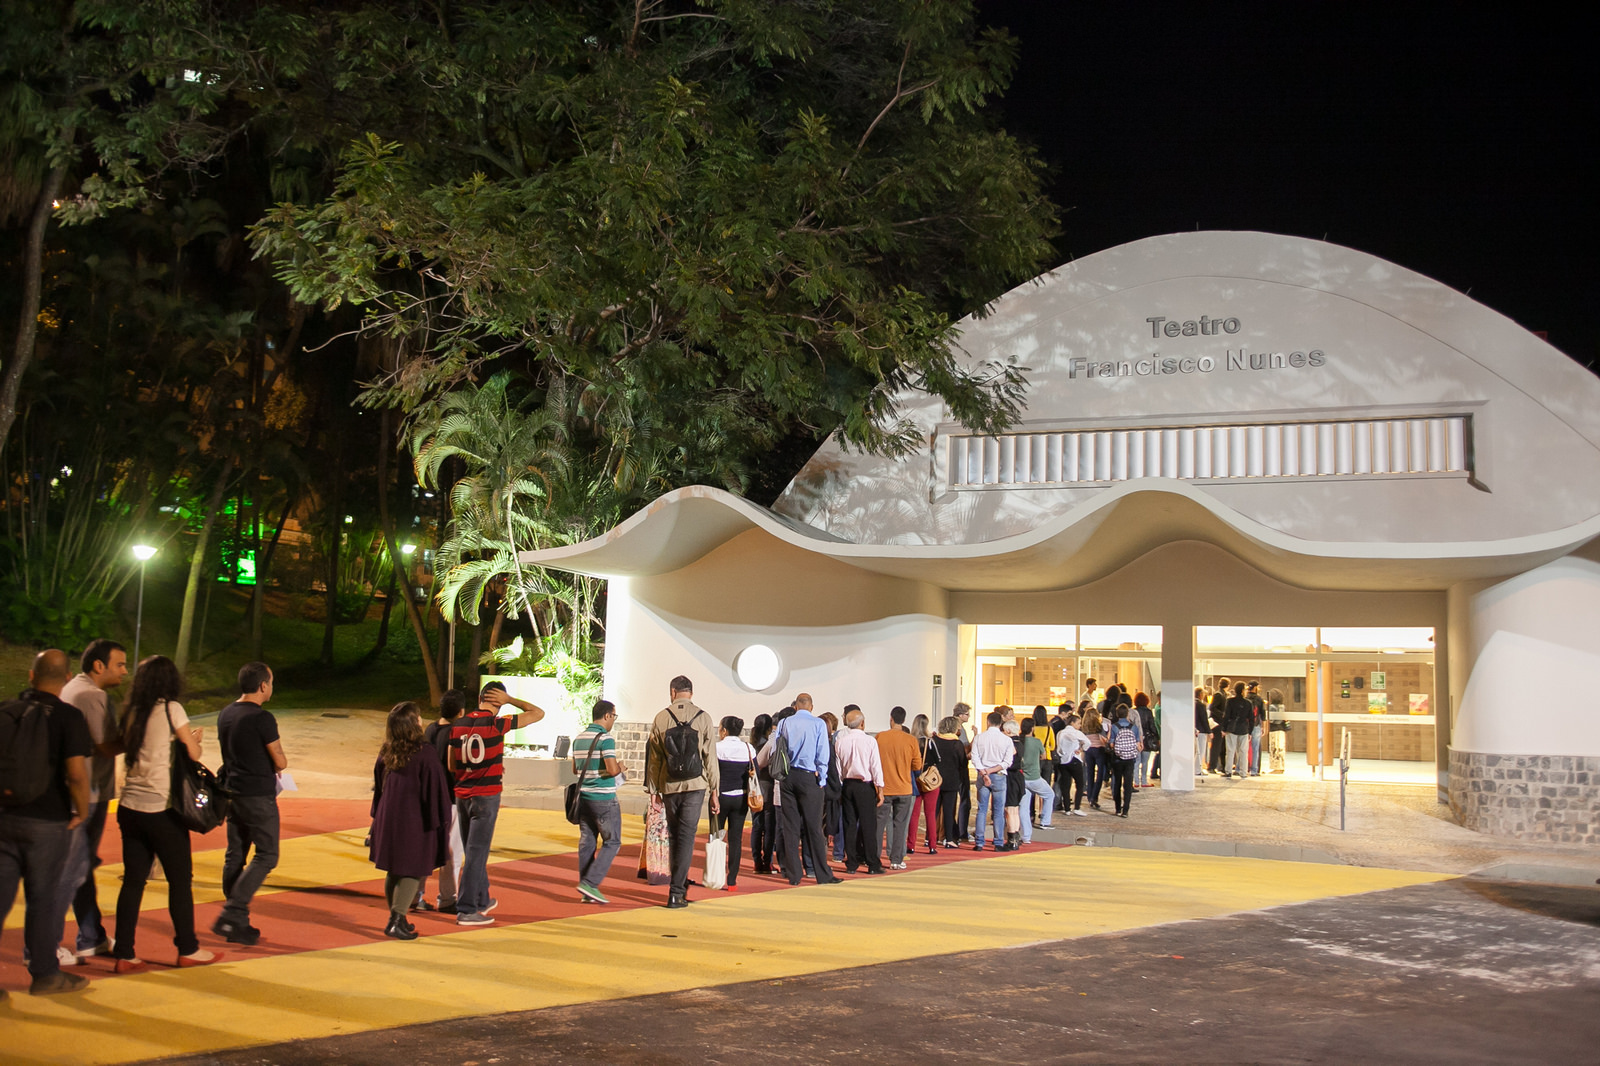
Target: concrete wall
x,y
1394,343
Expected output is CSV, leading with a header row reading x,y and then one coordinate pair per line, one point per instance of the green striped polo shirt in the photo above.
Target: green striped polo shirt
x,y
589,752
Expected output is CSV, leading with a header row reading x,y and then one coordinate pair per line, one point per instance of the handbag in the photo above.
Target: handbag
x,y
930,778
752,791
574,794
657,843
715,875
199,801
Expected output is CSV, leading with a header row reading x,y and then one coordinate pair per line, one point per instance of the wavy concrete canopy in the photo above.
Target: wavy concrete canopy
x,y
1100,537
1394,345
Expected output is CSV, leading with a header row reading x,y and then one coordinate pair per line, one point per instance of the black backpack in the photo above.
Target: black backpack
x,y
26,769
680,744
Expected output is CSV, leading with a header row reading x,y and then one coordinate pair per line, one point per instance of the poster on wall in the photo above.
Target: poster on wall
x,y
1380,681
1377,703
1419,703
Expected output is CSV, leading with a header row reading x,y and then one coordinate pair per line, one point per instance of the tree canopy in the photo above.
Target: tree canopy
x,y
728,218
578,252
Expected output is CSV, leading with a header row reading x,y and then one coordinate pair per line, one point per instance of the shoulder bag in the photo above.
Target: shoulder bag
x,y
574,796
782,761
930,778
752,790
199,801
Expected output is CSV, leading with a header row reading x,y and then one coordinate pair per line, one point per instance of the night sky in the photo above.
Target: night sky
x,y
1454,139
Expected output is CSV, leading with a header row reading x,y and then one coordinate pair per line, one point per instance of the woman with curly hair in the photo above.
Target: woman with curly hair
x,y
410,814
151,723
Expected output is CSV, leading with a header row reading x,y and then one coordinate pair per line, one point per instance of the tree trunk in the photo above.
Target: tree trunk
x,y
258,595
383,623
32,288
335,505
444,647
474,670
395,558
197,565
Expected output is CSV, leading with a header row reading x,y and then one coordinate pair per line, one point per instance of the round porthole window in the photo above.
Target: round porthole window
x,y
757,667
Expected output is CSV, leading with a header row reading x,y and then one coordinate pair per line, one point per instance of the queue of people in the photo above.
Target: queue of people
x,y
60,738
1232,723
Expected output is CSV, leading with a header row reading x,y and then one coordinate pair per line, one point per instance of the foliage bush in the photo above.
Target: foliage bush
x,y
68,619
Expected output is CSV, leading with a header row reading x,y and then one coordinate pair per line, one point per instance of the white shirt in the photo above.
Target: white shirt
x,y
992,751
1070,742
859,758
734,749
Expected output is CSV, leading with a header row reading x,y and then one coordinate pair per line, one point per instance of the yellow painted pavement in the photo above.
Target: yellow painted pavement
x,y
991,904
339,858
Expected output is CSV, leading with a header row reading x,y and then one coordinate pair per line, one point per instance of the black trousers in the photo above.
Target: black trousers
x,y
861,826
948,801
1121,781
764,831
964,813
1074,773
734,810
683,822
145,838
802,820
1219,750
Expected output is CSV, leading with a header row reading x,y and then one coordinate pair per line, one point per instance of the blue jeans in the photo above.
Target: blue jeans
x,y
32,853
1040,789
600,819
1255,750
992,804
477,815
78,893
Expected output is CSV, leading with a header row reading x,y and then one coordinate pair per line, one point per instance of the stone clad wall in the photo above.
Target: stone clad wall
x,y
631,738
1550,798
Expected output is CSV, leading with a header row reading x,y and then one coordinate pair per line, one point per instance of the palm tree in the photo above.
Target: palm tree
x,y
513,452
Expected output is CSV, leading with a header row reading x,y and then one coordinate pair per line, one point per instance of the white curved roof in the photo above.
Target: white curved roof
x,y
1393,344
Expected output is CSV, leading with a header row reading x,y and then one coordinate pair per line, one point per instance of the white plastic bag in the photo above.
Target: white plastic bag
x,y
716,873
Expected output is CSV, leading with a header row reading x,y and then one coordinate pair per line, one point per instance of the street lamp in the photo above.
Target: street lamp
x,y
143,553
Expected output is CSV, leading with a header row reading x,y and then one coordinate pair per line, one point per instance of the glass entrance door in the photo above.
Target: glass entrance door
x,y
1377,683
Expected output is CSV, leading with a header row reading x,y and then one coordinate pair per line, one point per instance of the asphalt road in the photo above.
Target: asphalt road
x,y
1461,972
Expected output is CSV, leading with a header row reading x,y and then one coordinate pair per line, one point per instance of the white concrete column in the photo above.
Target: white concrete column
x,y
1177,705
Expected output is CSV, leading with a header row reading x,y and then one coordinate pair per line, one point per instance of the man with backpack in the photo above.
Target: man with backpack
x,y
681,768
1124,753
44,796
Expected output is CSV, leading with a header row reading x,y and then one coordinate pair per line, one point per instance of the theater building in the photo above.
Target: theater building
x,y
1242,455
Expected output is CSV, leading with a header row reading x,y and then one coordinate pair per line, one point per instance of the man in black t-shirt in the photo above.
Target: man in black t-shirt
x,y
252,758
34,835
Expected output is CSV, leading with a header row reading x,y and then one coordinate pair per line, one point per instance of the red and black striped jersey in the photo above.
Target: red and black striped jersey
x,y
478,739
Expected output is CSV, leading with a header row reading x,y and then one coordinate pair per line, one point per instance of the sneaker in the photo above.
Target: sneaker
x,y
66,957
234,933
422,905
57,983
492,904
448,908
474,919
102,948
677,903
897,866
1079,814
591,893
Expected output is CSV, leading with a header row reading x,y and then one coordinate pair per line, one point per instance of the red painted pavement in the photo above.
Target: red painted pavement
x,y
342,915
